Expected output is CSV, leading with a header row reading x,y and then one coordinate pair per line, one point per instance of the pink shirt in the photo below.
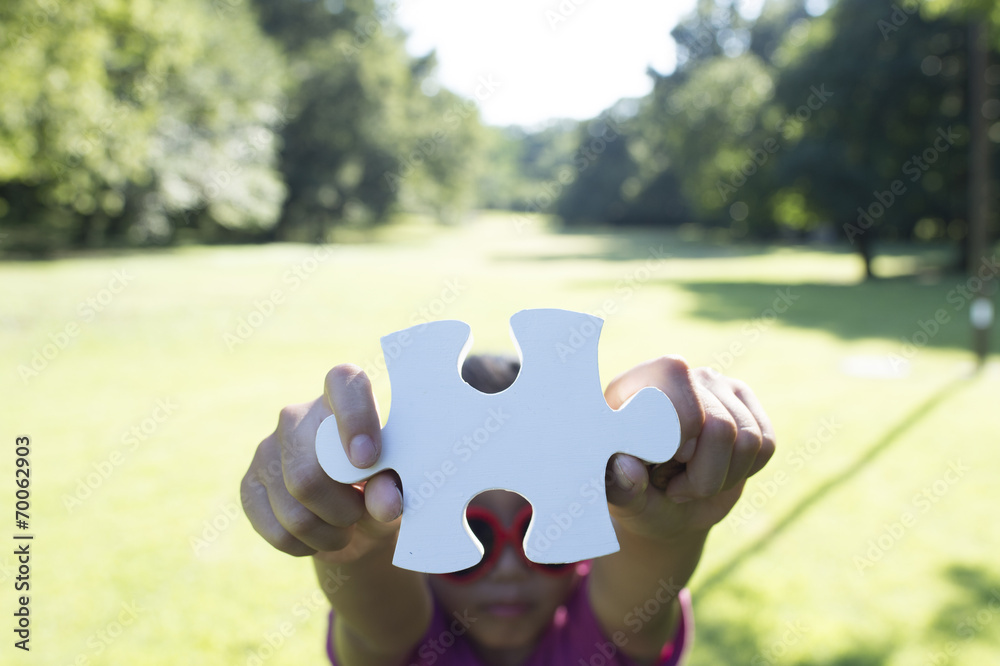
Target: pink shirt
x,y
573,639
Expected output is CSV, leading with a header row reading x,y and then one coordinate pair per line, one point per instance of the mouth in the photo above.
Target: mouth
x,y
508,609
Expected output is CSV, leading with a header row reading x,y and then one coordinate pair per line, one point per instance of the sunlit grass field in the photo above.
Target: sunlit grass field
x,y
145,380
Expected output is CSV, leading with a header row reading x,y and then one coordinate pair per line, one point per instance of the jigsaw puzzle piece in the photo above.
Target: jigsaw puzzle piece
x,y
441,524
558,351
424,361
561,533
548,437
581,432
655,430
566,481
420,361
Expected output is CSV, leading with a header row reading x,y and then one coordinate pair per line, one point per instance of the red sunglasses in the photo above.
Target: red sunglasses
x,y
494,536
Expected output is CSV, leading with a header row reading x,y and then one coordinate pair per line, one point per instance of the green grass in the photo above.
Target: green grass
x,y
780,582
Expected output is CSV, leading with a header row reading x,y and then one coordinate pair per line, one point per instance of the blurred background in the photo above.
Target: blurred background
x,y
205,204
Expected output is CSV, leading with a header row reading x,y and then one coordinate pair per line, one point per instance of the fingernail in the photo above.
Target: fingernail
x,y
680,500
624,482
400,494
362,451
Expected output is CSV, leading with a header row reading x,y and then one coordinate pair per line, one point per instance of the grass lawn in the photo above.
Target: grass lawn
x,y
871,538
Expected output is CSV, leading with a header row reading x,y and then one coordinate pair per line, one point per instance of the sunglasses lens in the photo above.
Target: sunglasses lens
x,y
484,532
484,529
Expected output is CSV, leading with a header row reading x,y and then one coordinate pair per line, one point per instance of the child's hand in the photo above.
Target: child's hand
x,y
291,501
725,438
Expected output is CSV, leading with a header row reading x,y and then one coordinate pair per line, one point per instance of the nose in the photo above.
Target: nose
x,y
510,565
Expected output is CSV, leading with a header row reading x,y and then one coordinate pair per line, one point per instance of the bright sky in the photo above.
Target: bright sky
x,y
531,60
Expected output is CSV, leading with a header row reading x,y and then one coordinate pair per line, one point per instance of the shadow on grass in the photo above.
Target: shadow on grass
x,y
972,617
720,640
639,244
864,656
897,309
728,642
694,242
821,492
975,612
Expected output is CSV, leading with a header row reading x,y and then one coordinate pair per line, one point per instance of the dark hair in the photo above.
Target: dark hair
x,y
489,373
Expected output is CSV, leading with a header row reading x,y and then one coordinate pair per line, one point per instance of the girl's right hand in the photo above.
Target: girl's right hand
x,y
295,506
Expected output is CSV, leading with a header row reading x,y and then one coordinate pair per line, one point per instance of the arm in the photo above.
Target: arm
x,y
662,516
381,612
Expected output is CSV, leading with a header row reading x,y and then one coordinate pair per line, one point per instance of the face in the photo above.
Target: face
x,y
512,603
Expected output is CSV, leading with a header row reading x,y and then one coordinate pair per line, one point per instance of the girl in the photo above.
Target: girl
x,y
622,609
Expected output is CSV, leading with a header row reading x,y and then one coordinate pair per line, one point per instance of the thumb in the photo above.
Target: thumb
x,y
626,481
383,498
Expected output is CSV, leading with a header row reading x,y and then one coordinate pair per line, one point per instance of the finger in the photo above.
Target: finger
x,y
626,481
303,524
768,442
383,498
705,473
672,375
660,475
258,509
748,435
302,476
349,394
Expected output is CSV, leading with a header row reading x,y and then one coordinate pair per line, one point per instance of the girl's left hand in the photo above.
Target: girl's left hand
x,y
726,437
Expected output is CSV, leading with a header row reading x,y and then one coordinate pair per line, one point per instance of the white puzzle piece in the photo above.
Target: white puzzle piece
x,y
548,437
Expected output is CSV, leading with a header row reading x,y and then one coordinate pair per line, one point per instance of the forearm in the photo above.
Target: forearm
x,y
638,587
663,513
380,611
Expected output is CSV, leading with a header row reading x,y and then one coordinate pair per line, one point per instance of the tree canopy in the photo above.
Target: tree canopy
x,y
142,122
853,123
133,121
112,124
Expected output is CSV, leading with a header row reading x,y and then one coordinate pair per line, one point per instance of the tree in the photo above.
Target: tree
x,y
886,152
694,142
369,131
706,124
112,126
986,11
601,167
525,165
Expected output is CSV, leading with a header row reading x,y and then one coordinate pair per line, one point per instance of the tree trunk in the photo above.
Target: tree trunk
x,y
865,250
979,179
